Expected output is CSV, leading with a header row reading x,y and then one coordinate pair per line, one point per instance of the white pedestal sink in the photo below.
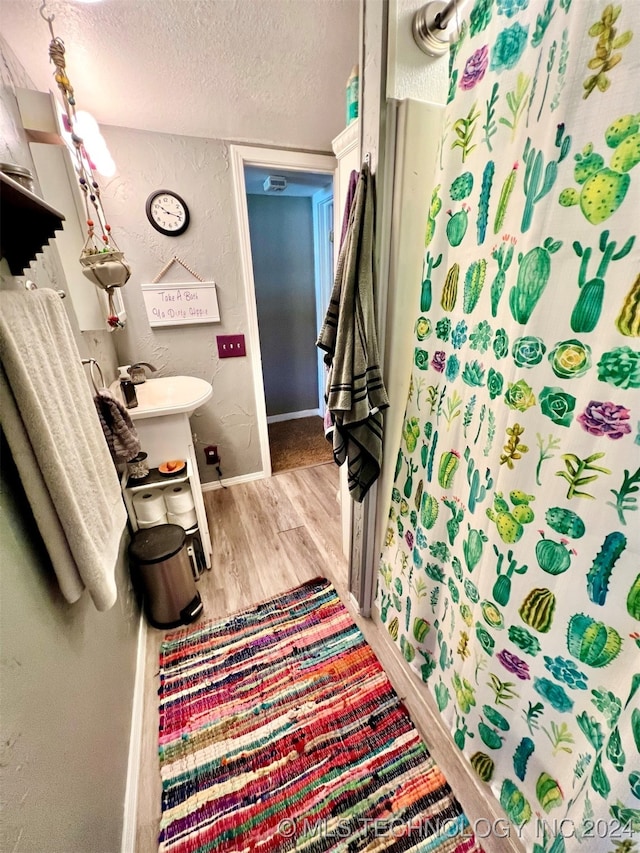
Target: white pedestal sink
x,y
169,395
161,419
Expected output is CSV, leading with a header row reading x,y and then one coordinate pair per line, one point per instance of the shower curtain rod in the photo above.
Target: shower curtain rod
x,y
430,25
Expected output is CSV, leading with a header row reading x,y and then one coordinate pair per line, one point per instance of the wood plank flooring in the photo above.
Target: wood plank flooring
x,y
269,536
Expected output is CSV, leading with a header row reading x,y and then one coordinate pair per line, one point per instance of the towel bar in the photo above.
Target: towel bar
x,y
94,363
31,285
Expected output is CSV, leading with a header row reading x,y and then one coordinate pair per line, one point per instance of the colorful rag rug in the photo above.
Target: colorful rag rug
x,y
279,731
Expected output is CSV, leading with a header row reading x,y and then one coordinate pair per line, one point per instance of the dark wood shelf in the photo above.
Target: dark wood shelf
x,y
28,223
155,478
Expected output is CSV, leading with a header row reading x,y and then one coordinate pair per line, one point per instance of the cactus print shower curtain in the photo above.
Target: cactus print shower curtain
x,y
510,573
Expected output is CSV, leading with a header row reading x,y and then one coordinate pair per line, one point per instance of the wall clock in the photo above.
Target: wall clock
x,y
167,212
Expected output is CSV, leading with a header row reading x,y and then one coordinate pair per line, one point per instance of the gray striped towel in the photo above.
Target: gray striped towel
x,y
117,426
355,393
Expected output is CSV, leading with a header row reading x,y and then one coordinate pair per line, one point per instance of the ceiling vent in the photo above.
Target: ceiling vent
x,y
275,184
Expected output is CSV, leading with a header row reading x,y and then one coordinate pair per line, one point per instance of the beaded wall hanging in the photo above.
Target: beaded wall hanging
x,y
102,261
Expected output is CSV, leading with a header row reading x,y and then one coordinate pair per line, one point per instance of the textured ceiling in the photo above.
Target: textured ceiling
x,y
271,71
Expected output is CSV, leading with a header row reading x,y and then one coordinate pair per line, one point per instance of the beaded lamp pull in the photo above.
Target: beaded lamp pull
x,y
175,259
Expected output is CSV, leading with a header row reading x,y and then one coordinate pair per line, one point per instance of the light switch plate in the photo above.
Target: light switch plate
x,y
230,346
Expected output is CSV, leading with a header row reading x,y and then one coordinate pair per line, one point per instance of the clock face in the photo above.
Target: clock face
x,y
167,212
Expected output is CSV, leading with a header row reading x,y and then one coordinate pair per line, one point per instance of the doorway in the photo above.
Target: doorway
x,y
288,274
290,233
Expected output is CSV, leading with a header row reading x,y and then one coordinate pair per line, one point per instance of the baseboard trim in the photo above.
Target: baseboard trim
x,y
130,818
292,416
233,481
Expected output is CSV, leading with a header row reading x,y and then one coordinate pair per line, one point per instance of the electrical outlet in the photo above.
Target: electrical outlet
x,y
211,454
230,346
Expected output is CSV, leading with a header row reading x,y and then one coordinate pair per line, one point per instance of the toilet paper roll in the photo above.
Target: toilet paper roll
x,y
184,519
178,498
149,505
143,525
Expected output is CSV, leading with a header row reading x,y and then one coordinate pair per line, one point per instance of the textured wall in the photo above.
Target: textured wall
x,y
13,148
411,73
270,71
66,670
282,250
46,270
199,170
65,705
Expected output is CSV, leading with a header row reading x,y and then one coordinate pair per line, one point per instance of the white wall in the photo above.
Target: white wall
x,y
415,161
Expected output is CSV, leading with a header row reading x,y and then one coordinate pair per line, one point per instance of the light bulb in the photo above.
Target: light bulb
x,y
86,125
88,130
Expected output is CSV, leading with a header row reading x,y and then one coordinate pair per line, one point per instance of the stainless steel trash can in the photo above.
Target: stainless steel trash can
x,y
159,556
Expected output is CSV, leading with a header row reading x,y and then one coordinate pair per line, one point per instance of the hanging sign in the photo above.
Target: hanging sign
x,y
178,304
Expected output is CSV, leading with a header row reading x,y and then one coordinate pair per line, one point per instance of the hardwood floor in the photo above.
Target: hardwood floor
x,y
269,536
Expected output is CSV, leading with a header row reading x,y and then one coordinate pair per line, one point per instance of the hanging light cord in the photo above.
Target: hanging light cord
x,y
86,178
84,169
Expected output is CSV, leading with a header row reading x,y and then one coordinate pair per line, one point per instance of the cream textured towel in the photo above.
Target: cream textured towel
x,y
52,428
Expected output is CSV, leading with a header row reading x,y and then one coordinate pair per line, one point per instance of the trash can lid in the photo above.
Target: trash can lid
x,y
156,544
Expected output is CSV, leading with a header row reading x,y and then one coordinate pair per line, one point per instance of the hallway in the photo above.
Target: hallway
x,y
298,443
269,536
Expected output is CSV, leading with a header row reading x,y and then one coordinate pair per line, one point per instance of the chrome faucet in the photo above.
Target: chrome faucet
x,y
137,372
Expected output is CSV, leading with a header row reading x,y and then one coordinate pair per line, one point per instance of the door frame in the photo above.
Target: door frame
x,y
270,158
322,207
